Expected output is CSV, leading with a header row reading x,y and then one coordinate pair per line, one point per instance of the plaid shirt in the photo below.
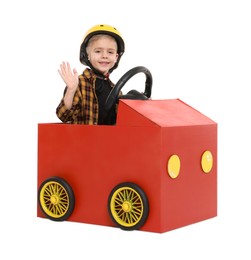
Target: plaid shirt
x,y
84,108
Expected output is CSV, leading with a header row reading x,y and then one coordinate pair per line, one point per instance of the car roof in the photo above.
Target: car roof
x,y
164,113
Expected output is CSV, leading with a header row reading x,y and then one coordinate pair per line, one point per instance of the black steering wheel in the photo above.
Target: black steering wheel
x,y
133,94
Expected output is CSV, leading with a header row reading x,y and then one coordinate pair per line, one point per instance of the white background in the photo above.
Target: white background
x,y
198,51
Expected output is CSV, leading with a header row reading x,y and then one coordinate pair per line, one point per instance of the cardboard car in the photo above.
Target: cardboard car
x,y
154,170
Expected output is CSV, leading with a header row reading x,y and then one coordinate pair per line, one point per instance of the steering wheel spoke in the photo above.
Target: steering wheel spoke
x,y
113,96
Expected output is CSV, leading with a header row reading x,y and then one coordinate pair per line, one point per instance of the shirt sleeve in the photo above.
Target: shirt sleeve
x,y
69,115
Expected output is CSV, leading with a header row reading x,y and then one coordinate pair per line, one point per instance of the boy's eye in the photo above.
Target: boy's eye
x,y
111,52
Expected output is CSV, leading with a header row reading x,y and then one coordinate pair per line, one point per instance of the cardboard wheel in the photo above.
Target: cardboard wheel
x,y
128,206
56,199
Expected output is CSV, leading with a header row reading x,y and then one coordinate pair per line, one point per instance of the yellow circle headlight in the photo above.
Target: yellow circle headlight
x,y
207,161
173,166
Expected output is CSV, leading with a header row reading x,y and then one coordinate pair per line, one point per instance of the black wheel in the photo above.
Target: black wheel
x,y
113,96
128,206
56,199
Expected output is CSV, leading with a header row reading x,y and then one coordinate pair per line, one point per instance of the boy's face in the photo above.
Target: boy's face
x,y
102,53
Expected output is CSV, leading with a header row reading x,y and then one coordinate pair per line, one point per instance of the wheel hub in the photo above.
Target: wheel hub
x,y
126,206
54,199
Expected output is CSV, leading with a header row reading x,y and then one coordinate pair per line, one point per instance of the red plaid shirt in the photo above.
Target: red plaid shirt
x,y
84,108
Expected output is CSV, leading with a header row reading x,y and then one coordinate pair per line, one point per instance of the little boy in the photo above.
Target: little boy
x,y
85,95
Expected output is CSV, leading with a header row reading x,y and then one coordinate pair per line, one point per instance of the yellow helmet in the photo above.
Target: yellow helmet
x,y
101,29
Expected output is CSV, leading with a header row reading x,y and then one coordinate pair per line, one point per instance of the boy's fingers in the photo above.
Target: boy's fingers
x,y
68,67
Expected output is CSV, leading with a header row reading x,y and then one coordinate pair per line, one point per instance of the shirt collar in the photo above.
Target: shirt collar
x,y
90,74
